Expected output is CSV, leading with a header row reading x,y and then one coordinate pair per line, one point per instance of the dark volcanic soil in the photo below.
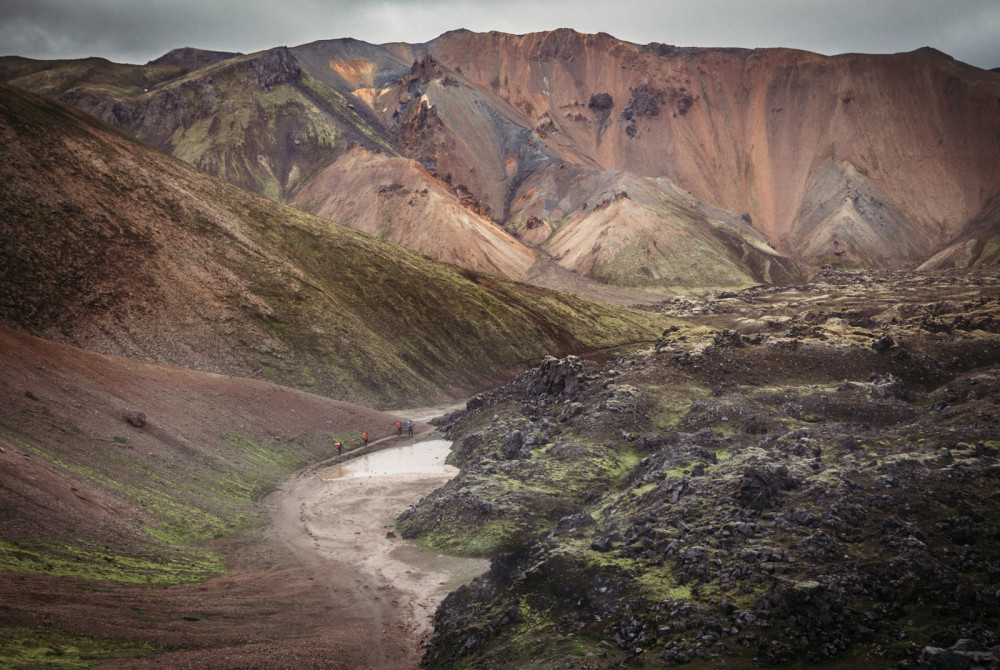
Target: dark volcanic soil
x,y
803,474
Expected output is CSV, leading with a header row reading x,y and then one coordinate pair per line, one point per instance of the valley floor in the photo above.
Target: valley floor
x,y
324,584
382,590
821,427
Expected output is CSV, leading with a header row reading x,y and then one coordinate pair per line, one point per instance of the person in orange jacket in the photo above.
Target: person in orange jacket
x,y
364,437
399,428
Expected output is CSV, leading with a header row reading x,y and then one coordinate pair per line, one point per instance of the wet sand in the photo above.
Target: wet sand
x,y
339,520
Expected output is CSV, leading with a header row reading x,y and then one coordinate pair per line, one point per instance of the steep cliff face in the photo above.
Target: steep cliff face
x,y
912,140
526,173
467,136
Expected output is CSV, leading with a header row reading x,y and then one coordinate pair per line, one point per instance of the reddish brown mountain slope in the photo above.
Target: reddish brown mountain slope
x,y
889,156
411,208
109,245
879,161
109,532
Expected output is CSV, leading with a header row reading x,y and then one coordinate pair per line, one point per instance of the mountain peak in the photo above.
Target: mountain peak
x,y
519,129
189,57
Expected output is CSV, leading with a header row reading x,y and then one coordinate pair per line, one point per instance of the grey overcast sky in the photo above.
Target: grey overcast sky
x,y
136,31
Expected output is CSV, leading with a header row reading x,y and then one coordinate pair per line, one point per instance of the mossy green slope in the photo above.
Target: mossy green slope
x,y
98,511
113,246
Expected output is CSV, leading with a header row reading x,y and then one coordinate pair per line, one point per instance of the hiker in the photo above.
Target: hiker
x,y
364,437
409,428
340,447
399,428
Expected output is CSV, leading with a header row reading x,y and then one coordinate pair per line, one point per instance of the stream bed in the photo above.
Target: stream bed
x,y
421,458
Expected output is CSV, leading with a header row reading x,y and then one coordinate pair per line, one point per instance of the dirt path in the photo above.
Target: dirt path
x,y
382,589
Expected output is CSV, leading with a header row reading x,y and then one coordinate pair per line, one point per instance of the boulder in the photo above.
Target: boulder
x,y
761,487
137,419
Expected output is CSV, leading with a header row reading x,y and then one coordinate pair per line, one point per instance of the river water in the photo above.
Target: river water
x,y
422,458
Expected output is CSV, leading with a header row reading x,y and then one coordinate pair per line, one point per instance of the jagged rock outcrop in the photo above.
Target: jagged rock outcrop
x,y
857,522
964,655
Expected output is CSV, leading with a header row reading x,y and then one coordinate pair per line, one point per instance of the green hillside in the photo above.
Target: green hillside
x,y
112,246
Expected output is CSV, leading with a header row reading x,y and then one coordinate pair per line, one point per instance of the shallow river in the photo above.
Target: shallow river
x,y
423,458
341,520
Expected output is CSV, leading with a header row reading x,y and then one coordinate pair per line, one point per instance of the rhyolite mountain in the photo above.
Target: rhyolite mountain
x,y
112,246
648,167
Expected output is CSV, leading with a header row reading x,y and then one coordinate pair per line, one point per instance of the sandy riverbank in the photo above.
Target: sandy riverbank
x,y
340,528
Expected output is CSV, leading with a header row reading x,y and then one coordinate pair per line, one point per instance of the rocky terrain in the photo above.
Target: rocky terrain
x,y
645,167
790,475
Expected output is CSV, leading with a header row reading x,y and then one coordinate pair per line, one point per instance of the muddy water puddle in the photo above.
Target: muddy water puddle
x,y
421,458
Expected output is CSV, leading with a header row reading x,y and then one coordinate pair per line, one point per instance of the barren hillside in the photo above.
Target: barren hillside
x,y
753,162
131,523
888,156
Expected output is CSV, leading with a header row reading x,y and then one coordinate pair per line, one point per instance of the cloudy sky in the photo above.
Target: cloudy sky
x,y
136,31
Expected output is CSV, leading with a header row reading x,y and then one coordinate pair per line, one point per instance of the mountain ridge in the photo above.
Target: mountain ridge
x,y
109,245
905,143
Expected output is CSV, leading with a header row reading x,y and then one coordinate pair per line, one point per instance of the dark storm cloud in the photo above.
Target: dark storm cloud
x,y
136,31
133,31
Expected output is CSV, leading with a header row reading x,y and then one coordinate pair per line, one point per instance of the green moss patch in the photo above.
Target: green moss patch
x,y
26,649
87,561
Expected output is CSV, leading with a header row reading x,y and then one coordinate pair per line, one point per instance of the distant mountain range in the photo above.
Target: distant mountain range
x,y
582,162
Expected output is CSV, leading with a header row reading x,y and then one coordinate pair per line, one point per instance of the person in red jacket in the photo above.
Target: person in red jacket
x,y
364,437
399,428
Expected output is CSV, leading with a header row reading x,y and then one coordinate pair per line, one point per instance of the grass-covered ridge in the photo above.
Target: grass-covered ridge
x,y
182,268
291,125
130,487
28,648
174,509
